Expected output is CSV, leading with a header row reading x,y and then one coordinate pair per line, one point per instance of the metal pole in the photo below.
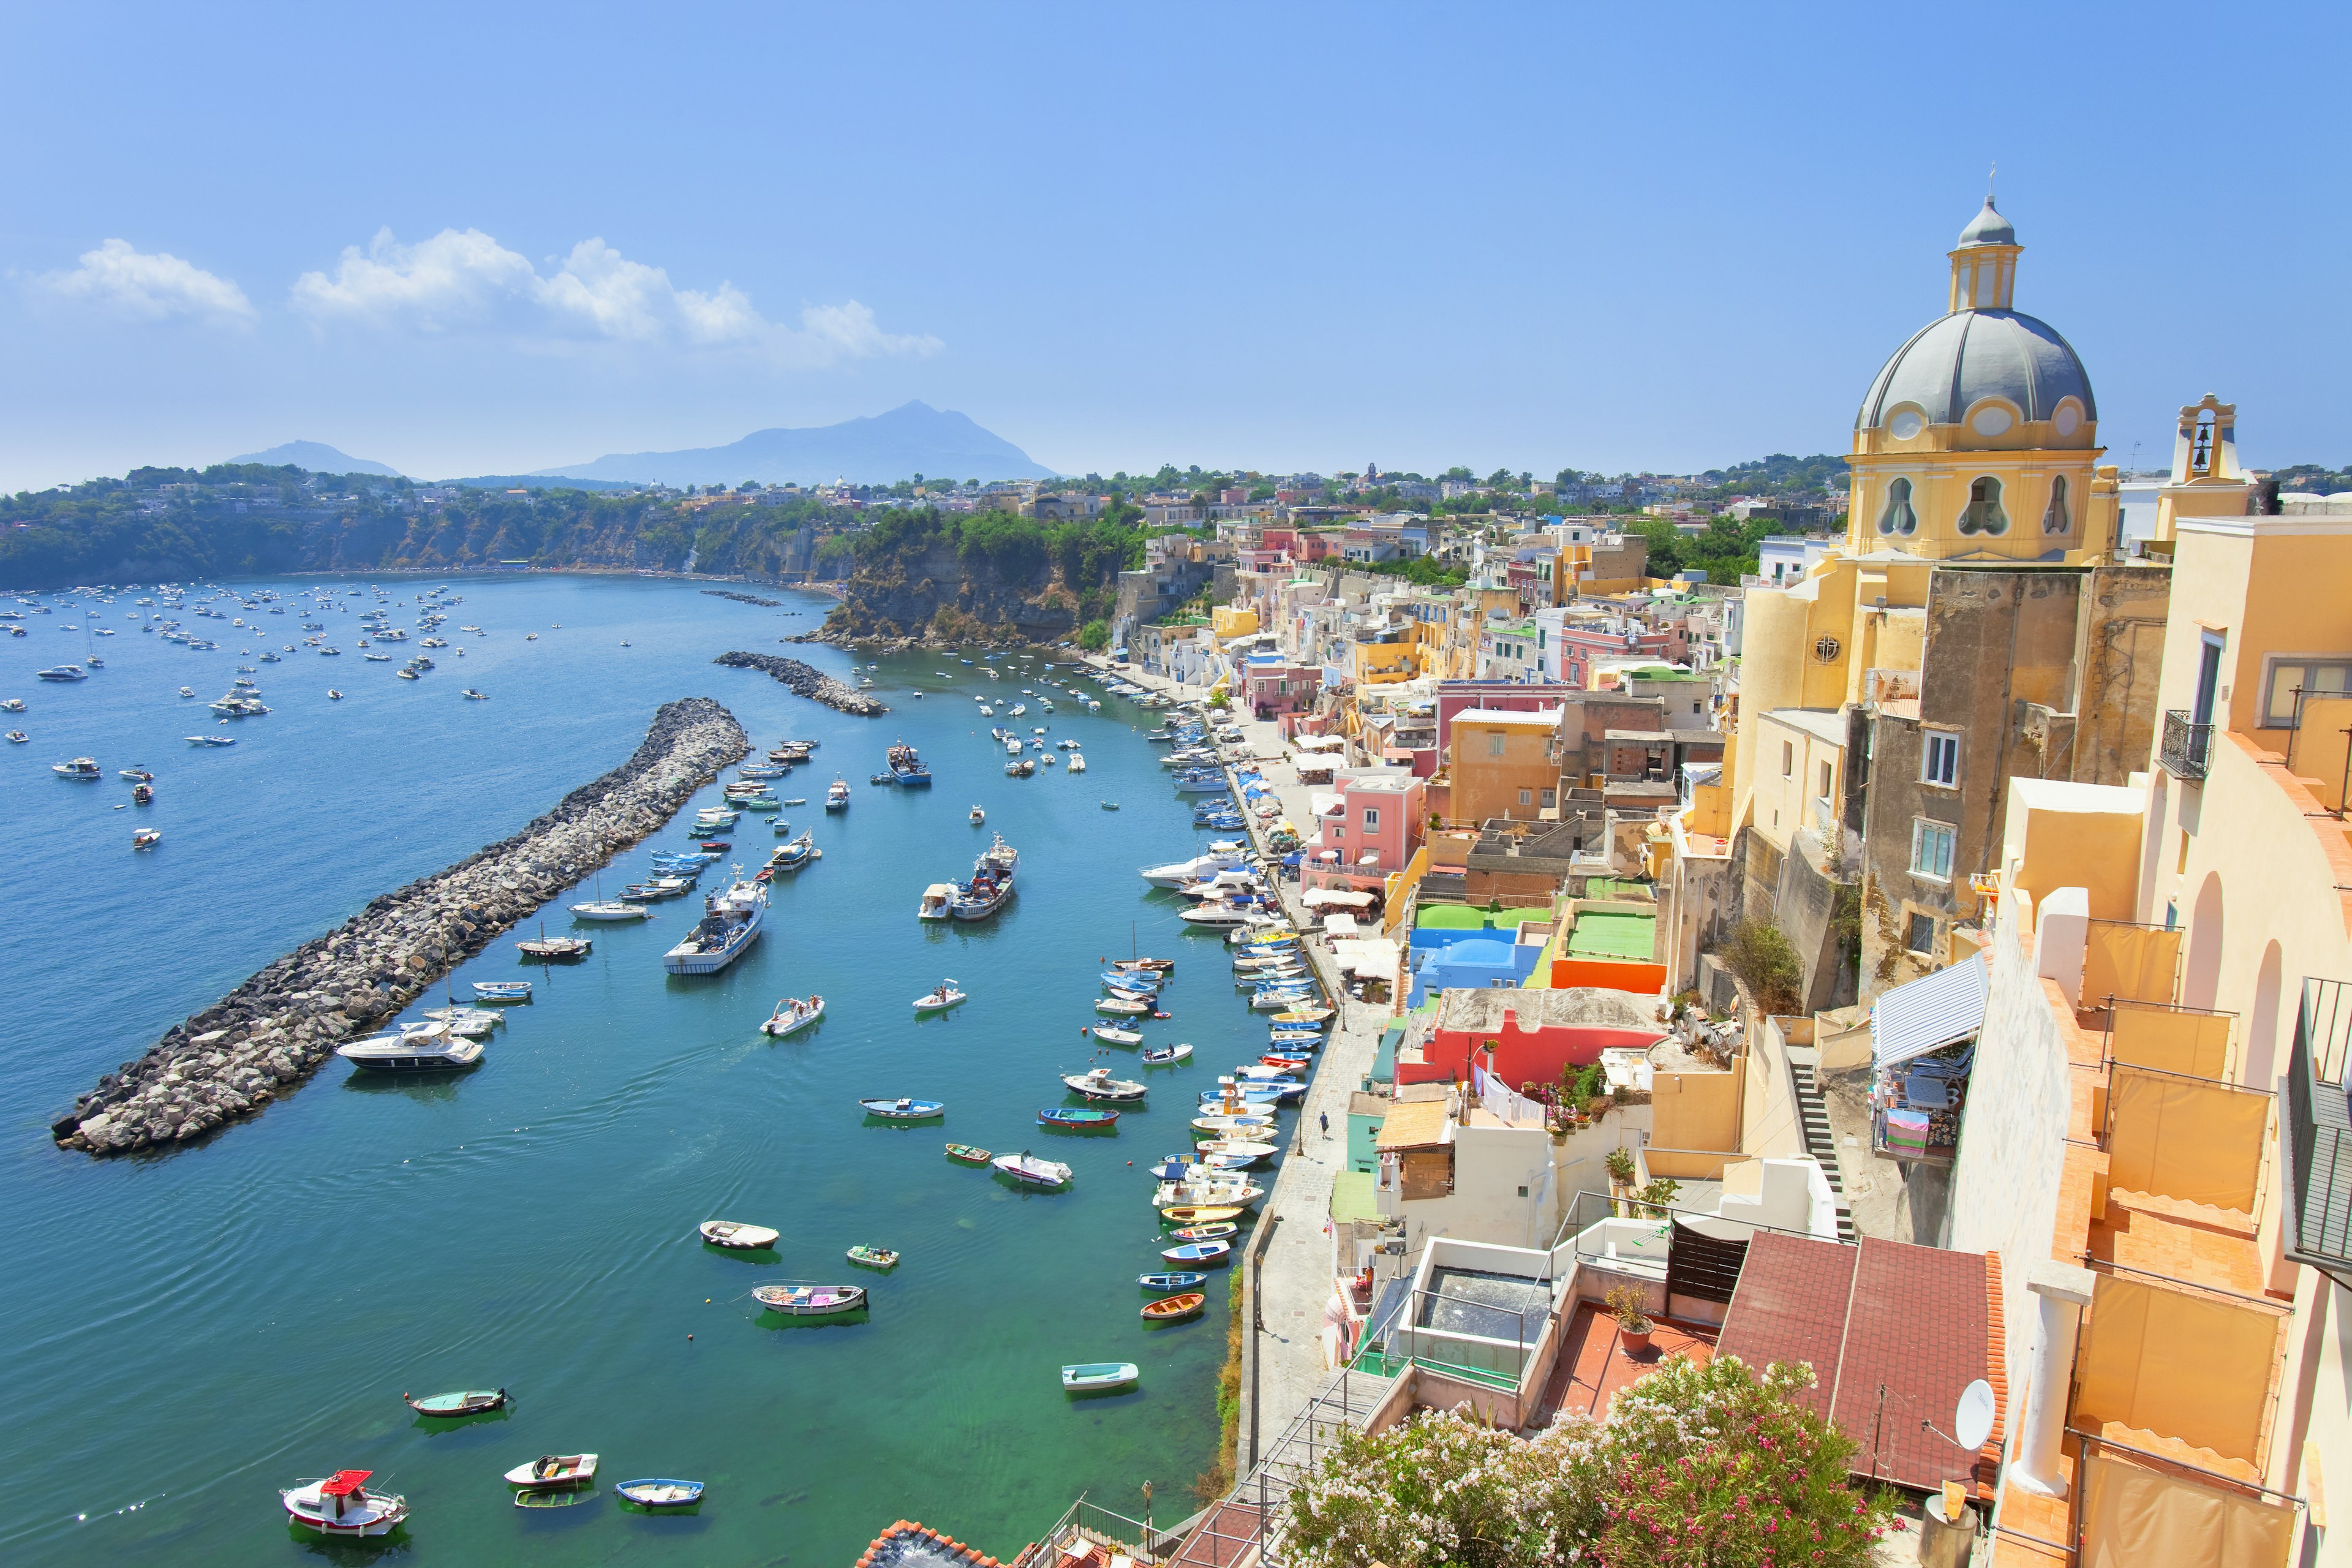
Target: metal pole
x,y
1258,1322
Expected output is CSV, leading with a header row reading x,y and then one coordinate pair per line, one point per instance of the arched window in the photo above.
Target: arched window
x,y
2054,518
1984,514
1898,517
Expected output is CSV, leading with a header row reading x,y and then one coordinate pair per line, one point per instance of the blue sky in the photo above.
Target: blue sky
x,y
491,238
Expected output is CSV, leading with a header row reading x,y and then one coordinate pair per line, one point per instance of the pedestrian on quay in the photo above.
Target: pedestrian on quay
x,y
1326,1116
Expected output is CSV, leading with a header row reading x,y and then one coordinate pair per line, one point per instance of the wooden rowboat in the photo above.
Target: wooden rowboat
x,y
1197,1252
1174,1309
904,1109
1162,1283
1199,1213
554,1470
564,1497
741,1238
1219,1231
661,1493
968,1155
470,1402
1081,1119
810,1300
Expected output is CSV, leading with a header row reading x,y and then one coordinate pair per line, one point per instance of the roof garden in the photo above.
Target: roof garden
x,y
1606,934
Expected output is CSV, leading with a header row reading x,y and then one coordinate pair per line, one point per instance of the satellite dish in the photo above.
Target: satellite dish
x,y
1972,1419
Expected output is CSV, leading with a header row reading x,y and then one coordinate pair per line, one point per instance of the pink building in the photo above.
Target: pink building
x,y
1271,687
1369,821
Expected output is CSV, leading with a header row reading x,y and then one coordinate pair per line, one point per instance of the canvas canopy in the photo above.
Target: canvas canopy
x,y
1928,1014
1365,955
1318,897
1340,925
1319,742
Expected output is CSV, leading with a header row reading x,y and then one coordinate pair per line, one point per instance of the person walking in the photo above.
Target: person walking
x,y
1326,1123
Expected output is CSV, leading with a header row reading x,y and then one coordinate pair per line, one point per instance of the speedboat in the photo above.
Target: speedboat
x,y
1032,1171
941,999
731,922
978,816
145,838
417,1048
63,672
792,1015
80,768
340,1505
938,902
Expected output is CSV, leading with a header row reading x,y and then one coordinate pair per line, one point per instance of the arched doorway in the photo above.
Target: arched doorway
x,y
2201,981
2261,1024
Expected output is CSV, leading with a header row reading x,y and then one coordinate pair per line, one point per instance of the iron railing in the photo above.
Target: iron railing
x,y
2188,747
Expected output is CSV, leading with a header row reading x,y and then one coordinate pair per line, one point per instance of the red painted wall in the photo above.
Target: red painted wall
x,y
1521,1056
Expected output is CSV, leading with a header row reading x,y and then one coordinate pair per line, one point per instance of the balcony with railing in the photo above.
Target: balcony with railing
x,y
2188,747
2317,1130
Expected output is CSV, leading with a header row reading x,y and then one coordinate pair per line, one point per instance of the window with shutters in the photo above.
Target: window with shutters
x,y
1939,761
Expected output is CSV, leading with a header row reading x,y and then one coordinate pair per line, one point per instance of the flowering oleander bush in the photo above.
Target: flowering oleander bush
x,y
1697,1466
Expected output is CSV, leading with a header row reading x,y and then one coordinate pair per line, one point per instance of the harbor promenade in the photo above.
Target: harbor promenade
x,y
1286,1359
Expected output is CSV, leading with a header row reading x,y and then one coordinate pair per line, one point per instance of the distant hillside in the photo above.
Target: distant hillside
x,y
913,439
319,458
539,482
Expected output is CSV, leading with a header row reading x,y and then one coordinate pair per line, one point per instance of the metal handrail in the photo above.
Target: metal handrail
x,y
2187,748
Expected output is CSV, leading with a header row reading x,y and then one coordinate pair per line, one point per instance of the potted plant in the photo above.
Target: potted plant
x,y
1631,1307
1620,1161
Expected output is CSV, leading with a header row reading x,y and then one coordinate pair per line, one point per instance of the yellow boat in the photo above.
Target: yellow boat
x,y
1201,1213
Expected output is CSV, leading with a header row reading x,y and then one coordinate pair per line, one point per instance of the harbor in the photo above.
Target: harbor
x,y
530,1223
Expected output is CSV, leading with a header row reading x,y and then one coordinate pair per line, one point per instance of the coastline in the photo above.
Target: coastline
x,y
226,1062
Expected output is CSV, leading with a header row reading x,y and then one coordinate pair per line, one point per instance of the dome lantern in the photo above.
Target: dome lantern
x,y
1984,264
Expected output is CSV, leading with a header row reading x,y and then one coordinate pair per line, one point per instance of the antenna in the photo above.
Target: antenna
x,y
1989,173
1971,1417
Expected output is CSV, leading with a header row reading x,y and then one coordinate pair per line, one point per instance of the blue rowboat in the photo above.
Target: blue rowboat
x,y
501,990
661,1493
1199,1252
1130,980
1157,1283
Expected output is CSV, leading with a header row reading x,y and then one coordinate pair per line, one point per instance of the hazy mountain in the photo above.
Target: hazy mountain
x,y
319,458
914,438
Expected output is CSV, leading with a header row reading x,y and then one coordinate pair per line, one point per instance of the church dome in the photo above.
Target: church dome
x,y
1956,360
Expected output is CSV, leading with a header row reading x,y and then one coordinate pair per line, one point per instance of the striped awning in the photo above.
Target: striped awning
x,y
1928,1014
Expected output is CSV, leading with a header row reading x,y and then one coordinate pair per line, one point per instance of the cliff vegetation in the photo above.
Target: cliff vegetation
x,y
986,577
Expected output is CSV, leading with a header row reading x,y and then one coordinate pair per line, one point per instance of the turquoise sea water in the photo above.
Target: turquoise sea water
x,y
183,1334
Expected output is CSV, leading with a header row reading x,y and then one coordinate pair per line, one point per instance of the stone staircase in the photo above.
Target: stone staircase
x,y
1813,1119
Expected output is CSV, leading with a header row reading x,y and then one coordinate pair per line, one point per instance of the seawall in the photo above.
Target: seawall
x,y
278,1027
809,681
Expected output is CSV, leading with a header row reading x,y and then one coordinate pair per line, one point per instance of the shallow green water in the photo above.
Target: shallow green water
x,y
186,1333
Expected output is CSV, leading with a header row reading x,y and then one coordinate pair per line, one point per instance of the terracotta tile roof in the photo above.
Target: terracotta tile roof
x,y
1916,1320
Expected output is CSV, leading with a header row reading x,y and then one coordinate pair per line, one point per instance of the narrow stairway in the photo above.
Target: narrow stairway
x,y
1813,1118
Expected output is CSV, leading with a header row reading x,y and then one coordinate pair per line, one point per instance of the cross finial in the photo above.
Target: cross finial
x,y
1989,173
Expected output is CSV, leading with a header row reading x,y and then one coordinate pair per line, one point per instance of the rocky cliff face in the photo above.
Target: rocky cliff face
x,y
941,595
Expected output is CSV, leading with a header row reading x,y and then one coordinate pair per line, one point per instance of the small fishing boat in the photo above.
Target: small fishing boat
x,y
939,1000
1031,1171
610,909
836,795
560,1497
1295,1037
1099,1376
1164,1056
1112,1034
1099,1085
551,1470
1227,1124
938,902
1124,1006
80,768
978,816
736,1237
880,1258
1199,1213
904,1109
1163,1283
210,740
792,1015
968,1155
1231,1150
145,838
18,737
136,776
1110,805
1303,1016
547,948
467,1402
1197,1252
1174,1309
660,1493
1219,1231
142,795
810,1300
504,991
340,1505
1160,966
470,695
1076,1121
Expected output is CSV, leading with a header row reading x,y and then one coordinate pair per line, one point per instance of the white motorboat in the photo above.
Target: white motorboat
x,y
340,1505
610,909
938,902
1031,1171
1164,1056
1178,873
551,1470
731,922
417,1048
1099,1085
978,816
792,1015
941,999
80,768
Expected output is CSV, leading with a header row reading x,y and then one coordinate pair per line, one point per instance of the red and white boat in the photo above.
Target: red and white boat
x,y
340,1505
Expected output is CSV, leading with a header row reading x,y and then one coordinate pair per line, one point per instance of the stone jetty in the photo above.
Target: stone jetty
x,y
809,681
745,598
279,1027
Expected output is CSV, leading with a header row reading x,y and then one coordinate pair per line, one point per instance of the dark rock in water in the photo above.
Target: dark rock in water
x,y
808,681
274,1030
745,598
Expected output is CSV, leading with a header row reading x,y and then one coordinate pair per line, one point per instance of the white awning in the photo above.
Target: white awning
x,y
1366,956
1928,1014
1339,926
1317,898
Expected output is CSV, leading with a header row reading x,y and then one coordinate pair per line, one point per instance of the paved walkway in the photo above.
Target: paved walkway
x,y
1297,1279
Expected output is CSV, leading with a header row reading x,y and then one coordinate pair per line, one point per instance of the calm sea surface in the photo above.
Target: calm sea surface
x,y
181,1335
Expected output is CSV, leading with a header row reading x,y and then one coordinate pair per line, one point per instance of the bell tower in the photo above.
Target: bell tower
x,y
1984,264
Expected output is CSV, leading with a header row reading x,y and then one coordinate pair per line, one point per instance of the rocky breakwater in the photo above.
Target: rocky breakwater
x,y
277,1028
809,681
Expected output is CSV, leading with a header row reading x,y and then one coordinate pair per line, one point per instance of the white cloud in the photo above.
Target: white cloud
x,y
147,288
469,281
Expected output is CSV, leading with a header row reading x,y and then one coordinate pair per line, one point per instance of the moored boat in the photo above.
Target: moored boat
x,y
1197,1252
1172,1281
1083,1120
1032,1171
736,1236
968,1155
792,1015
1174,1309
1099,1085
1112,1034
610,909
810,1300
503,992
1199,1213
465,1402
904,1108
731,922
340,1505
661,1493
551,1470
1164,1056
1099,1376
1197,1233
417,1048
867,1256
941,998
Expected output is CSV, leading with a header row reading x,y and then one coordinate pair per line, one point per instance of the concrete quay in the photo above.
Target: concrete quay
x,y
229,1060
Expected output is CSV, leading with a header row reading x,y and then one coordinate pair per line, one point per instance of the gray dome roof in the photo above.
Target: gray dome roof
x,y
1988,227
1957,358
